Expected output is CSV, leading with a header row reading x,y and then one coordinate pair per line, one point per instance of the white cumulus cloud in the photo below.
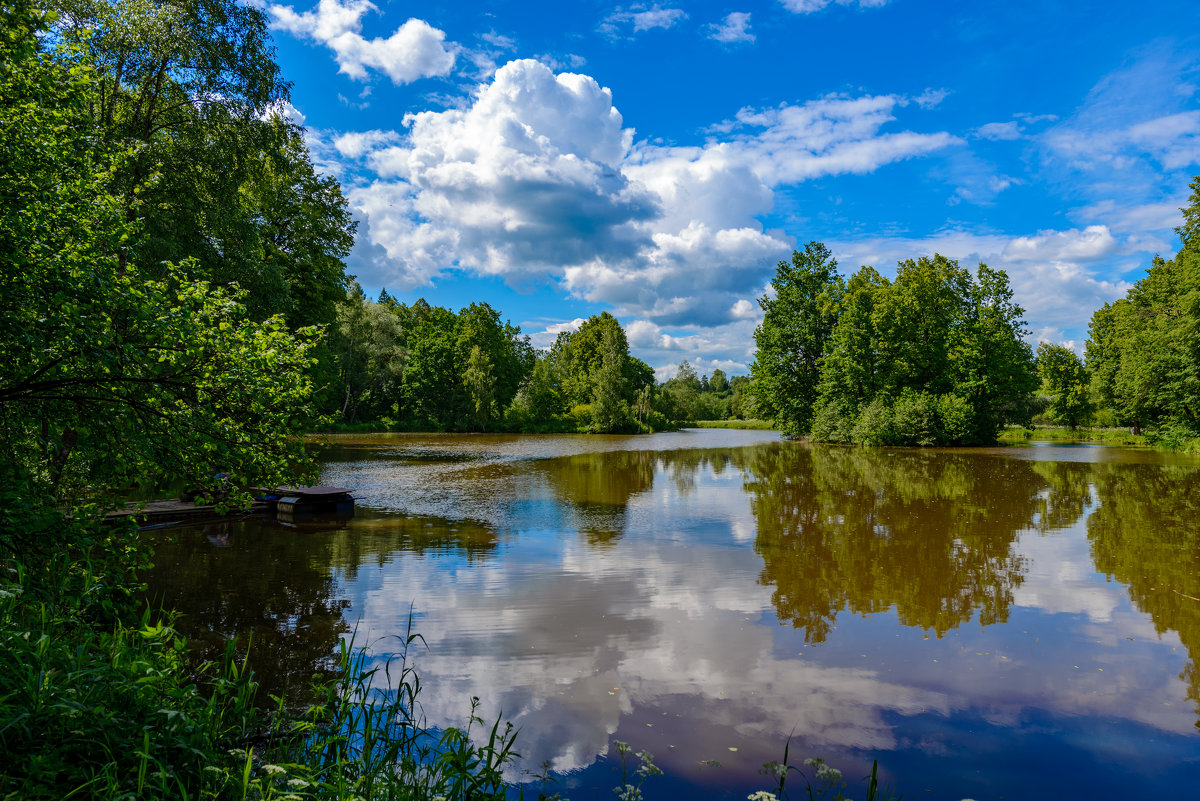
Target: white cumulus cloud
x,y
1076,246
537,179
415,50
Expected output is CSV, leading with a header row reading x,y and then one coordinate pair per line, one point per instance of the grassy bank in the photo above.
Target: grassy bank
x,y
745,425
1106,436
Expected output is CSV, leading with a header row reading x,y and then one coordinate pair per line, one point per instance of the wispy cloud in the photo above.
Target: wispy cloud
x,y
999,131
811,6
733,29
639,18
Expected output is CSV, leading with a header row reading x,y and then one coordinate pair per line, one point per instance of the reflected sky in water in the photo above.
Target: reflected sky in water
x,y
1017,622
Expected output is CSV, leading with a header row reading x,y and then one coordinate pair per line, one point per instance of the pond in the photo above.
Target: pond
x,y
1016,623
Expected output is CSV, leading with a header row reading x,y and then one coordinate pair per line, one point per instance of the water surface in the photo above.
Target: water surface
x,y
1011,622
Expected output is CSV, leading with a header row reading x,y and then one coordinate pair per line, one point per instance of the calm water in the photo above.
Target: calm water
x,y
1018,623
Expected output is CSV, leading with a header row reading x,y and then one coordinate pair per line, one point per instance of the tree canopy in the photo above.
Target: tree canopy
x,y
1143,351
934,357
797,325
111,376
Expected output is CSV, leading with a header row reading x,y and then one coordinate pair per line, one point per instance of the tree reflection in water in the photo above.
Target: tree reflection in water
x,y
866,530
282,608
272,589
597,488
1146,535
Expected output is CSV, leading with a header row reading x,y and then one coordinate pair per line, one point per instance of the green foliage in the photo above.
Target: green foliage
x,y
1143,350
191,90
479,381
935,357
1189,231
367,343
537,402
610,411
432,389
110,377
1066,381
792,339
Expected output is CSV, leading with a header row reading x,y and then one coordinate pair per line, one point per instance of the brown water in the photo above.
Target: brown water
x,y
1010,622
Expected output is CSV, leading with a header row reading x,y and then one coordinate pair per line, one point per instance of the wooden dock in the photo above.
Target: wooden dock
x,y
178,512
283,503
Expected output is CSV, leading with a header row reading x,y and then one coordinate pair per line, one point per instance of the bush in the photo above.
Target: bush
x,y
957,418
875,424
835,422
581,417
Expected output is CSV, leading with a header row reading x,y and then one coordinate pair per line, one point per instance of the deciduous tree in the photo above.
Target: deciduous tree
x,y
795,330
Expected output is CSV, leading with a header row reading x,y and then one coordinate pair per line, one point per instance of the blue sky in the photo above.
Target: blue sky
x,y
656,160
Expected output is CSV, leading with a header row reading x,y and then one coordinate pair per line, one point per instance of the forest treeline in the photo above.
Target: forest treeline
x,y
422,367
938,355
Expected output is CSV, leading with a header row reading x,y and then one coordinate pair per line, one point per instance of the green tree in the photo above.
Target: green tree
x,y
538,400
368,345
791,341
303,230
1143,350
681,393
111,377
1065,379
480,383
935,357
432,381
1189,231
582,354
718,383
509,353
610,411
851,374
191,89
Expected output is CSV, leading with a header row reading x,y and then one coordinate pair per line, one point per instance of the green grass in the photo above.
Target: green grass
x,y
746,425
1107,436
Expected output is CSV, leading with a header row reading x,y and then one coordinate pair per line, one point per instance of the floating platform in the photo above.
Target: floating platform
x,y
292,503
